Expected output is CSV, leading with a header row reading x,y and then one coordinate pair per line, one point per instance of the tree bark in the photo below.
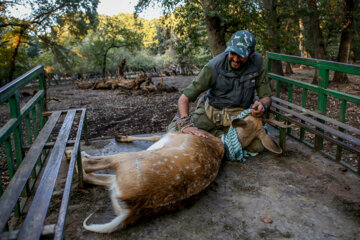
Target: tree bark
x,y
121,67
288,68
318,39
15,53
272,27
347,35
215,32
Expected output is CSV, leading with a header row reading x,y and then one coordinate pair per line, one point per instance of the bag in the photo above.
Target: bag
x,y
221,116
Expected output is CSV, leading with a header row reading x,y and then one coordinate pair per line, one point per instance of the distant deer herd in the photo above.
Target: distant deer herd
x,y
160,178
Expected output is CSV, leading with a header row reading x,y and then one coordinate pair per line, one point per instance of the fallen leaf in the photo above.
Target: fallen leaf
x,y
84,191
266,220
342,169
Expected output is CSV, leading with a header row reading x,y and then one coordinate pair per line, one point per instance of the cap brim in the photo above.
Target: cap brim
x,y
238,51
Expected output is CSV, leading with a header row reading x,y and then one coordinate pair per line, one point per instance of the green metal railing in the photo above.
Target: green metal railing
x,y
22,127
322,90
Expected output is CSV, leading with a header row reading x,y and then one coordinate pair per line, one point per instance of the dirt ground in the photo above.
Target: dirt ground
x,y
120,112
300,195
304,195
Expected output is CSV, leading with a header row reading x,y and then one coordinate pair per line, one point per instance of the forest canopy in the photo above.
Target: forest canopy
x,y
69,37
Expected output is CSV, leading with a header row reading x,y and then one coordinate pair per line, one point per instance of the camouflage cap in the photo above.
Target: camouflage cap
x,y
242,43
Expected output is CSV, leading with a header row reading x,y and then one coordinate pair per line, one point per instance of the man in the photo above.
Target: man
x,y
231,79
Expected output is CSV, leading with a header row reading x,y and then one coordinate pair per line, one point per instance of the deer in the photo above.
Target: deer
x,y
162,177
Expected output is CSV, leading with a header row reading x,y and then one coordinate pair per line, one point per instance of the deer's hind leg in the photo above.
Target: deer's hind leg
x,y
95,163
100,179
91,164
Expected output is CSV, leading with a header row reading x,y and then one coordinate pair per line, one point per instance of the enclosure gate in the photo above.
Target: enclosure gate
x,y
30,116
321,90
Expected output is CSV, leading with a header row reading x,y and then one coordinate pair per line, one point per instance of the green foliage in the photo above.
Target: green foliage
x,y
68,37
43,20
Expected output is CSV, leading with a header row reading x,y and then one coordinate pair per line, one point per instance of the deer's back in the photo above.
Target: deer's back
x,y
179,166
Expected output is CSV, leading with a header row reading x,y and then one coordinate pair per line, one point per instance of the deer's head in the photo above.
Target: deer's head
x,y
249,128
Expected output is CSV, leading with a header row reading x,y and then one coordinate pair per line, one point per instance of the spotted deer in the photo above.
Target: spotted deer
x,y
176,167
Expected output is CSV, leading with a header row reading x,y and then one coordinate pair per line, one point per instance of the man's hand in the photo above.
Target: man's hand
x,y
257,109
194,131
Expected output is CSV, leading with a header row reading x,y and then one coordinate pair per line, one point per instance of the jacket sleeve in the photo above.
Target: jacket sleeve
x,y
263,89
201,83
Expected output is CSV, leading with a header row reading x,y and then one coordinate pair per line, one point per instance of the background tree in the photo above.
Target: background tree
x,y
42,17
64,35
350,7
112,32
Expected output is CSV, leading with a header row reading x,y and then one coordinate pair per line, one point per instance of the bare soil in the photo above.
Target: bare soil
x,y
300,195
303,194
121,112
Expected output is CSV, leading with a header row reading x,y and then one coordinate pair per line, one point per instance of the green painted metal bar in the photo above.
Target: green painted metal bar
x,y
323,93
34,123
42,81
8,129
28,107
1,187
303,104
341,119
11,169
9,89
290,99
318,63
9,198
28,130
317,89
278,89
323,83
322,103
290,93
39,115
14,104
9,158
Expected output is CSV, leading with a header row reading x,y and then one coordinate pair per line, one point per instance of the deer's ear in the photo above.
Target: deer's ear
x,y
238,122
268,143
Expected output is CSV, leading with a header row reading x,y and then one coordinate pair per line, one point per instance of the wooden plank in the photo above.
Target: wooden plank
x,y
49,145
314,130
335,132
16,185
32,225
47,231
318,115
59,229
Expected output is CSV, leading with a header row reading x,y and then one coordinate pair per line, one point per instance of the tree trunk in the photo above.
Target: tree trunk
x,y
272,27
14,54
121,67
302,50
345,40
104,65
215,32
317,40
288,68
